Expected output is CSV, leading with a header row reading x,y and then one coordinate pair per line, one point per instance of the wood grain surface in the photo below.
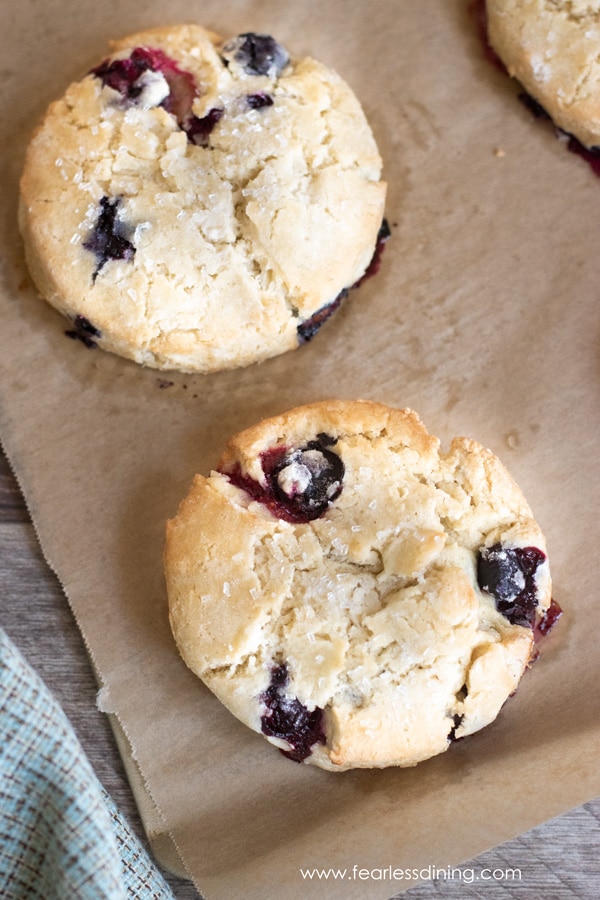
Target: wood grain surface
x,y
557,860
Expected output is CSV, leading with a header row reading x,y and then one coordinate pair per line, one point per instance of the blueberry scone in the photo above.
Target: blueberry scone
x,y
200,204
552,47
350,591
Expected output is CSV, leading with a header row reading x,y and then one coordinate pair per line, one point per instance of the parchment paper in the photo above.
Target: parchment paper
x,y
483,318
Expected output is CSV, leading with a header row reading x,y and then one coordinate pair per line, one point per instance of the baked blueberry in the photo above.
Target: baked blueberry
x,y
199,129
300,483
307,480
508,575
109,239
259,100
309,327
257,54
287,718
84,331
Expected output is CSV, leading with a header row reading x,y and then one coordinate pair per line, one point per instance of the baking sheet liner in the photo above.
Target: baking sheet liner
x,y
484,318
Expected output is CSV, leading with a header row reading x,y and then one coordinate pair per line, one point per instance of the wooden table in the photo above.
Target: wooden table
x,y
557,860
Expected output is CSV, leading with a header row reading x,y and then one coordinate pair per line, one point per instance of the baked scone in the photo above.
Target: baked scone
x,y
350,591
552,47
200,204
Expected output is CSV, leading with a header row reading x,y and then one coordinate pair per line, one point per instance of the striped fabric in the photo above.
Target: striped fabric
x,y
61,837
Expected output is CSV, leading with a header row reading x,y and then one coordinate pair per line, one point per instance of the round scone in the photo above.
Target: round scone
x,y
199,204
553,50
350,591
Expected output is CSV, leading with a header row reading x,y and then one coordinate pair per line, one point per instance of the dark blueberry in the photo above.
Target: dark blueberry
x,y
535,108
307,480
500,573
84,331
259,101
508,575
384,233
287,718
300,483
199,130
110,237
309,327
257,54
123,75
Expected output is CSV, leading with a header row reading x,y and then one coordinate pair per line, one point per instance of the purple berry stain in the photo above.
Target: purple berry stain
x,y
309,327
546,623
590,155
127,76
300,484
109,239
508,575
383,236
130,78
288,719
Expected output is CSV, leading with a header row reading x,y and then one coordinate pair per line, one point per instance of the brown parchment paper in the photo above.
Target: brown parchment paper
x,y
484,318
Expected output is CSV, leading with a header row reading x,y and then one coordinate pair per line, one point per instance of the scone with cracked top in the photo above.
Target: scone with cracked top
x,y
201,204
552,47
350,591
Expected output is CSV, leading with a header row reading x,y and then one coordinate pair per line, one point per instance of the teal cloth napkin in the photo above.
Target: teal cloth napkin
x,y
61,836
